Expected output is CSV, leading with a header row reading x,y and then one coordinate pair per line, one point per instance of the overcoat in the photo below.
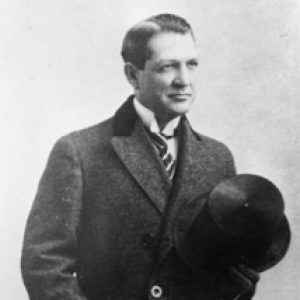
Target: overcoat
x,y
100,225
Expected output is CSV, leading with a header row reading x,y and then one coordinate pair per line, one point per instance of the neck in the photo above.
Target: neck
x,y
161,124
162,119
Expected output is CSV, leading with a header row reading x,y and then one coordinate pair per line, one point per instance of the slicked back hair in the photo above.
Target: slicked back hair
x,y
135,44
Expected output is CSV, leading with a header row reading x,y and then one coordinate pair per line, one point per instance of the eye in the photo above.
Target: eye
x,y
193,64
165,67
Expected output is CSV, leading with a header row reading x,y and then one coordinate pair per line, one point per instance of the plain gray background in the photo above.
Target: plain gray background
x,y
60,70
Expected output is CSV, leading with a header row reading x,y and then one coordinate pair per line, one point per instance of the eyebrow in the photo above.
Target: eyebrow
x,y
163,61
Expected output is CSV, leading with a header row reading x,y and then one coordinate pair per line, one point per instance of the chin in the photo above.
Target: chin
x,y
181,109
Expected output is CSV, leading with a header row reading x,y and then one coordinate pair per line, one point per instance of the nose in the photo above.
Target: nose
x,y
182,77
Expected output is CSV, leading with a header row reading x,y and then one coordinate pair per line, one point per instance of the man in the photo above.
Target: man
x,y
100,226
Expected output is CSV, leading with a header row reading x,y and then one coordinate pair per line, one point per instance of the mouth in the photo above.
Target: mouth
x,y
180,96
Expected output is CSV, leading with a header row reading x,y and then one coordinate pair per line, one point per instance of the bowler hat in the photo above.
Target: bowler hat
x,y
241,221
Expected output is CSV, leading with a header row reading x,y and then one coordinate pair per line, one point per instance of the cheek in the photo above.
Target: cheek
x,y
152,88
160,85
156,84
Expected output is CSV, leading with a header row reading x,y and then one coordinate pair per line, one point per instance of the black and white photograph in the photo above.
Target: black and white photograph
x,y
150,150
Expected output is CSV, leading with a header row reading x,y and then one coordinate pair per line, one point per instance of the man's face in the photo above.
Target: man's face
x,y
166,85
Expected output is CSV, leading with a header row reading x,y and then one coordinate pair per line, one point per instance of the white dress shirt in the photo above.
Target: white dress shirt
x,y
149,120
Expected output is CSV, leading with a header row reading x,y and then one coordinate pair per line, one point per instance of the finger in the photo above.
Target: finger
x,y
238,279
250,273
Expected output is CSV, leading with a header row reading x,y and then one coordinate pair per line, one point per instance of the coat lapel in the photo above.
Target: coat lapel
x,y
133,147
195,176
195,165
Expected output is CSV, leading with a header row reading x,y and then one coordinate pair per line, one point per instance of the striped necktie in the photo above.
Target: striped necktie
x,y
167,158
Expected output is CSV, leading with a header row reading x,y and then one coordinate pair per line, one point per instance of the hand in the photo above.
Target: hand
x,y
238,283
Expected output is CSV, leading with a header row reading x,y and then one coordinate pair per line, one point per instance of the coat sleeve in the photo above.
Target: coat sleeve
x,y
49,254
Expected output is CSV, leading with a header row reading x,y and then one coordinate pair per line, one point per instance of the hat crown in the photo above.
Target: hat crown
x,y
241,221
246,205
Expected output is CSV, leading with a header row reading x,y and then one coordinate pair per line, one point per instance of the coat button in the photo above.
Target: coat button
x,y
156,291
147,241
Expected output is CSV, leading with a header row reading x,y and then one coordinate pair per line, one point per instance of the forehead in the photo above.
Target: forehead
x,y
172,46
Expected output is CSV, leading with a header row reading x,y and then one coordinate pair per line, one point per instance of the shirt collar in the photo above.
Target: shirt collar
x,y
149,120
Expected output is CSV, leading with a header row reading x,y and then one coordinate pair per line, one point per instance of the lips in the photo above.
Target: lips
x,y
180,96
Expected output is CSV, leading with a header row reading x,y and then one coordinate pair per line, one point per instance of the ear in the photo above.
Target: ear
x,y
131,72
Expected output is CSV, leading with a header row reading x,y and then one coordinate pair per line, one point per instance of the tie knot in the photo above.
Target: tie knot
x,y
158,138
169,136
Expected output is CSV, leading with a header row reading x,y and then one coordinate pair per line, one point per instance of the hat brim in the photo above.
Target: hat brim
x,y
280,240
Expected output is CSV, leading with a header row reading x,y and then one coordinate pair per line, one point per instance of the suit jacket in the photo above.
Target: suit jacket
x,y
100,225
